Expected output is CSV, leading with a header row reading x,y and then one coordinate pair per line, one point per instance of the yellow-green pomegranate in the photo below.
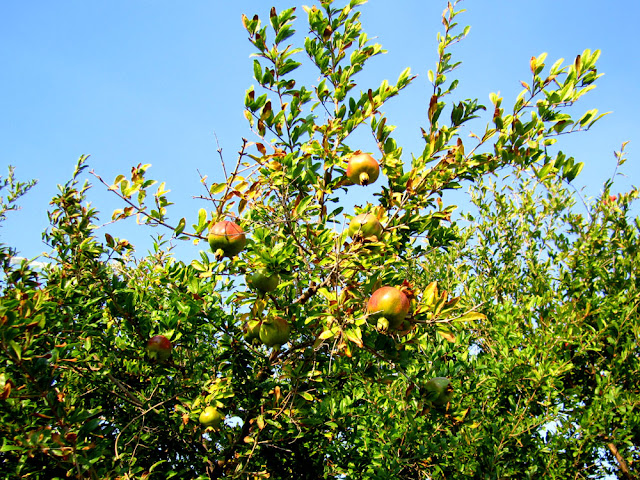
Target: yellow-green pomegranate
x,y
362,169
211,417
274,331
263,281
365,225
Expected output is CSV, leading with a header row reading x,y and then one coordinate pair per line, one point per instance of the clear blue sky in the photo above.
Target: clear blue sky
x,y
151,81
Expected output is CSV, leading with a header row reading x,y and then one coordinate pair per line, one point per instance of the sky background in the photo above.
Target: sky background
x,y
157,81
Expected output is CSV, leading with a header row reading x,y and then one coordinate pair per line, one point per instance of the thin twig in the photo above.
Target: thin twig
x,y
136,418
140,211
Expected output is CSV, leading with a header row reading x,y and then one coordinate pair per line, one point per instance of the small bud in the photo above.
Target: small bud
x,y
383,324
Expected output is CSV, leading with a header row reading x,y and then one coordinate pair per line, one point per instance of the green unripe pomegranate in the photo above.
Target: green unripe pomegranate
x,y
365,225
439,390
275,331
252,331
263,281
226,239
362,169
211,417
389,303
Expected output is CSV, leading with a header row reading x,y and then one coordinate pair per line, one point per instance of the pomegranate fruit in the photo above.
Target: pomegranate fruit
x,y
388,303
439,390
159,348
362,169
226,239
365,225
252,331
211,417
263,281
275,331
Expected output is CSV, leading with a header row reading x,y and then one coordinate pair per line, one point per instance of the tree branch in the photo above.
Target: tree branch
x,y
622,463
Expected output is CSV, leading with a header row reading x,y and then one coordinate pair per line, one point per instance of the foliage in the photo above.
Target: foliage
x,y
528,307
16,190
551,380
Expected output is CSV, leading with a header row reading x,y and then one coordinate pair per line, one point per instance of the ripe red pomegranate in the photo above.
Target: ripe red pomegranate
x,y
159,348
389,303
365,225
362,168
226,239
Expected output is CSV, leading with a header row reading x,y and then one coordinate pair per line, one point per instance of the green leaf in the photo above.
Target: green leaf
x,y
284,33
574,171
257,72
17,348
471,316
109,240
202,221
217,188
326,334
354,335
429,294
180,228
447,334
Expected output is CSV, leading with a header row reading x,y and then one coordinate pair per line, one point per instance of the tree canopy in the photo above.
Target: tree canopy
x,y
397,340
